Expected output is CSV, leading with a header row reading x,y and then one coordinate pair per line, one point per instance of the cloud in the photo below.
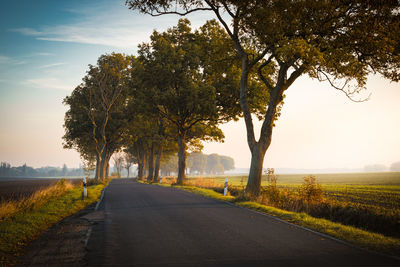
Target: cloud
x,y
43,54
26,31
106,24
5,60
49,83
51,65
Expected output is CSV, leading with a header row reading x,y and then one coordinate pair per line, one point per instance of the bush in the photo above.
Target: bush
x,y
310,191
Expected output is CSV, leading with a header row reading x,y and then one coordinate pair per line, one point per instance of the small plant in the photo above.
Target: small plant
x,y
311,191
271,191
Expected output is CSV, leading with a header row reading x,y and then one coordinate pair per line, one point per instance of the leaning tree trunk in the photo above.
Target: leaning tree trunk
x,y
151,164
157,165
181,158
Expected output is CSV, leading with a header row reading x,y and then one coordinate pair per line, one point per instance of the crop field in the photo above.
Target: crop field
x,y
377,189
379,178
18,188
367,200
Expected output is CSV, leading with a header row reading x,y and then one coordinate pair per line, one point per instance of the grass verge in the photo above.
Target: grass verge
x,y
353,235
27,224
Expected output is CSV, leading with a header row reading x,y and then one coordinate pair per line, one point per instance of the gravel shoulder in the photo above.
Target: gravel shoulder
x,y
64,243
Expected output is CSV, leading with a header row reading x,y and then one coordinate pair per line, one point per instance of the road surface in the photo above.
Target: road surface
x,y
148,225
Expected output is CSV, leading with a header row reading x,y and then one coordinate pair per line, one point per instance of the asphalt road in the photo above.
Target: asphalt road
x,y
147,225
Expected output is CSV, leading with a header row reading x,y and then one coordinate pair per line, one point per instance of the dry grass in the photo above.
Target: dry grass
x,y
10,207
203,183
168,180
38,215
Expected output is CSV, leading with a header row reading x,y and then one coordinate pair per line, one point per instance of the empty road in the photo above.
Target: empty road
x,y
147,225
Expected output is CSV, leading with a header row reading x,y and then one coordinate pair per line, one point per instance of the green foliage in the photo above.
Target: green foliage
x,y
94,123
334,41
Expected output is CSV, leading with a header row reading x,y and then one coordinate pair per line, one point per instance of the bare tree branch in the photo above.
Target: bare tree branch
x,y
342,89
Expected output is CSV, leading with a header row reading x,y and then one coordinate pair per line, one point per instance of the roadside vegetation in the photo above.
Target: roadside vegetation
x,y
365,215
23,220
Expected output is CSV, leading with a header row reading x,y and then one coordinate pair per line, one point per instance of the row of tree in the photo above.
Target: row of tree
x,y
161,103
394,167
6,170
184,83
199,164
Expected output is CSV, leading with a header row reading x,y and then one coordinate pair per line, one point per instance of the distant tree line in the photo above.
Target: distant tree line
x,y
198,164
394,167
6,170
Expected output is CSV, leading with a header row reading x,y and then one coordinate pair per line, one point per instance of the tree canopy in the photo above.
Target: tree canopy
x,y
340,42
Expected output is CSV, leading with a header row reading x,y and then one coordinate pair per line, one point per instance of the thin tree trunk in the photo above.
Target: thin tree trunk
x,y
140,170
103,163
141,164
151,164
97,171
158,162
181,158
107,172
127,169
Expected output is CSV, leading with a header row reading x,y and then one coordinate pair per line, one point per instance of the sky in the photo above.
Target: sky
x,y
45,50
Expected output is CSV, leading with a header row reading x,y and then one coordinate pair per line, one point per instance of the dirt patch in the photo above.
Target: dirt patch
x,y
64,243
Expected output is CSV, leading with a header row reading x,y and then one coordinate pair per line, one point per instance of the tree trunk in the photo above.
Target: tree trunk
x,y
257,159
97,171
127,169
181,158
151,164
103,163
158,162
140,170
107,172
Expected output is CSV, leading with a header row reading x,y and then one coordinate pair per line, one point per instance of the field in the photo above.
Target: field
x,y
380,178
378,189
18,188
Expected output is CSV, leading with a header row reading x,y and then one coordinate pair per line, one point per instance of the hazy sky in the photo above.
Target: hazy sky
x,y
44,52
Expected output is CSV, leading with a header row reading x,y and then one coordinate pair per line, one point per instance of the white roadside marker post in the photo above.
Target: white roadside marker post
x,y
160,179
226,186
84,187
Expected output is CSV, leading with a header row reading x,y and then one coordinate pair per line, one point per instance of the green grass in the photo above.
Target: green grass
x,y
24,226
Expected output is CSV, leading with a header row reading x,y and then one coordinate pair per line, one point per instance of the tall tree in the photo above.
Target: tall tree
x,y
180,92
285,39
95,119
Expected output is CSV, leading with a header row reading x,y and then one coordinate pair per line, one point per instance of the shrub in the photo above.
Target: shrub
x,y
310,191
